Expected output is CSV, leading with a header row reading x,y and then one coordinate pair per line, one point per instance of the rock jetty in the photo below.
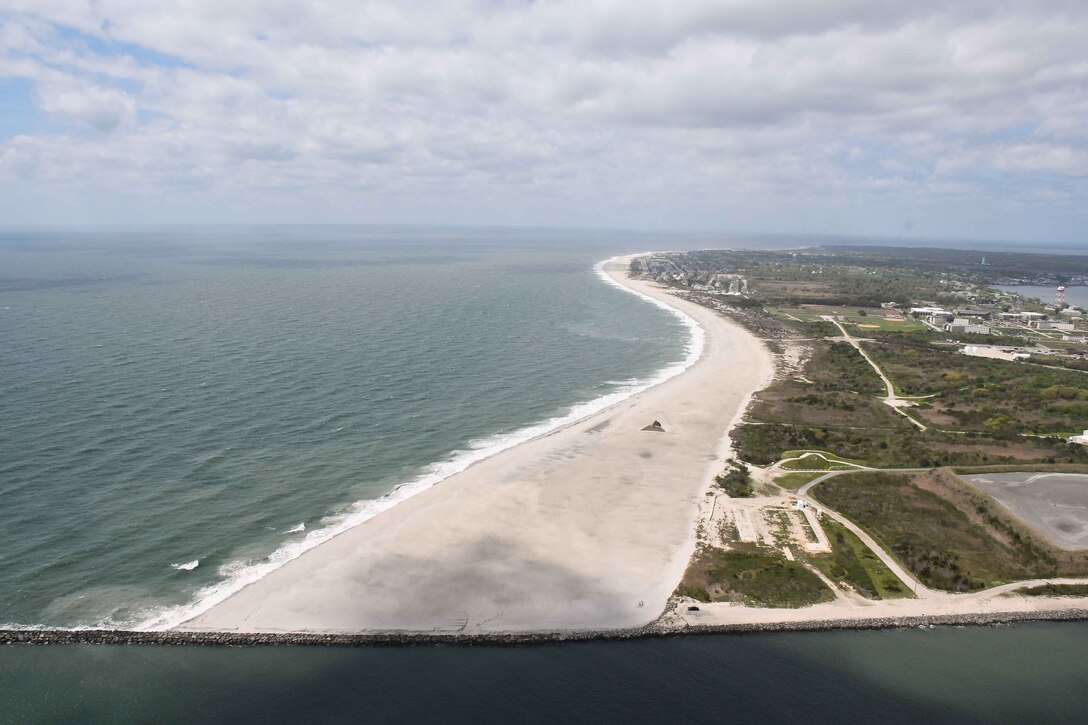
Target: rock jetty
x,y
409,639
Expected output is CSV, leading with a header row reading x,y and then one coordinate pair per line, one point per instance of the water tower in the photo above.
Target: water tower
x,y
1059,299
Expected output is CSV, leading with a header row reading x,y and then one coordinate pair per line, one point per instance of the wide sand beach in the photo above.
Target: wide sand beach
x,y
588,527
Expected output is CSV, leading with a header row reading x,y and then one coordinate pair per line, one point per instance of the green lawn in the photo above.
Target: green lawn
x,y
794,481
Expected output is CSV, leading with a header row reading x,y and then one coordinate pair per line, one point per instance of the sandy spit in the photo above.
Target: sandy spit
x,y
587,528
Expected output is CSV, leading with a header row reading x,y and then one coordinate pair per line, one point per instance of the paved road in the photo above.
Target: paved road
x,y
921,591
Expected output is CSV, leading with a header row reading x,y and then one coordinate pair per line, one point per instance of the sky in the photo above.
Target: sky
x,y
964,119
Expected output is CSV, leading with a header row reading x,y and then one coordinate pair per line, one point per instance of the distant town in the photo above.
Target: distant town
x,y
964,301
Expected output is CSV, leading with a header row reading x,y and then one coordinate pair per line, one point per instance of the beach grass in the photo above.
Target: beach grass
x,y
941,544
755,575
853,563
1056,590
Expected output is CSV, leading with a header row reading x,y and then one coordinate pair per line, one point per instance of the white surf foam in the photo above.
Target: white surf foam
x,y
239,574
187,566
297,529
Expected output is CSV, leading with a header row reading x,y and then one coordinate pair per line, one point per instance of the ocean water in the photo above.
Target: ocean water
x,y
182,410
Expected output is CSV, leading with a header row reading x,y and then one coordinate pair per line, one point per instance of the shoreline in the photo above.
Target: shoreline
x,y
199,638
985,608
589,526
436,473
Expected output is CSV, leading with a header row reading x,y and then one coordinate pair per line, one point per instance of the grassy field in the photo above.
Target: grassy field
x,y
856,323
979,411
755,575
994,397
794,481
834,405
851,562
927,522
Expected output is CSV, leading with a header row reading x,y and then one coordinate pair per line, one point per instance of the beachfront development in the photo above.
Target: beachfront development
x,y
832,494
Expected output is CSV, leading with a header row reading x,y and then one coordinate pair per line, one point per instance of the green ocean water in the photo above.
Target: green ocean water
x,y
181,410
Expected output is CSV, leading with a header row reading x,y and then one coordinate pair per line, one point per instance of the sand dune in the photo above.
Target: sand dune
x,y
588,527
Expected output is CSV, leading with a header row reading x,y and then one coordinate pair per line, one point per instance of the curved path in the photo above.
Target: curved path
x,y
920,590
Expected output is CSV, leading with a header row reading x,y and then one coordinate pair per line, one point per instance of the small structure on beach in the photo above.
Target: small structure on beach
x,y
655,426
1081,439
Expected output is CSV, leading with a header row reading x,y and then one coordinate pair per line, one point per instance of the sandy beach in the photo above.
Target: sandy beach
x,y
588,527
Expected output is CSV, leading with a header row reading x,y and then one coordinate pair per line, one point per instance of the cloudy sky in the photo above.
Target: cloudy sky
x,y
956,119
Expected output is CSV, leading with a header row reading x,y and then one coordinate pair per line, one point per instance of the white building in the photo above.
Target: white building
x,y
962,325
930,312
993,352
1049,325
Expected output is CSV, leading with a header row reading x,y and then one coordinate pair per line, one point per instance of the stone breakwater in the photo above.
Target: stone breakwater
x,y
408,639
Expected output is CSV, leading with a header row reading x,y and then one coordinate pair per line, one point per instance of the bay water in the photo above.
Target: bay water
x,y
1075,295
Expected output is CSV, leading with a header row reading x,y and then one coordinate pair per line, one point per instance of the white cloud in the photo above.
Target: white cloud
x,y
101,108
736,113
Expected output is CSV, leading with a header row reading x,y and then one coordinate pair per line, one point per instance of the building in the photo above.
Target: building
x,y
930,312
1082,439
960,326
993,352
1052,325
